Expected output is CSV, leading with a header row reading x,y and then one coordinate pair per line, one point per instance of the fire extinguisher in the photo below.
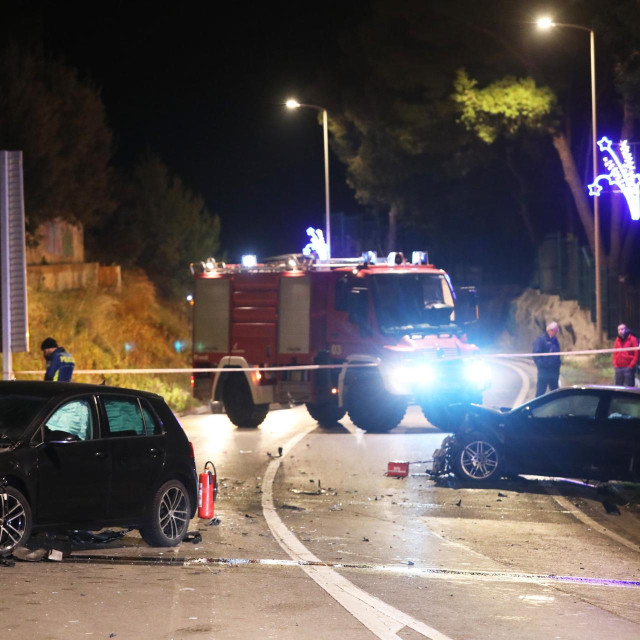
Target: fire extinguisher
x,y
207,491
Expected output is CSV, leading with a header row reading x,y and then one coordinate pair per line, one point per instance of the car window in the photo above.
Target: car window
x,y
71,421
624,408
124,417
570,405
154,426
16,413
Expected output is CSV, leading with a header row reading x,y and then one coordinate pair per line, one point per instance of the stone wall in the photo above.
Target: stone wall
x,y
532,311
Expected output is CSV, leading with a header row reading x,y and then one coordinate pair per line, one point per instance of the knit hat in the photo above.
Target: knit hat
x,y
49,343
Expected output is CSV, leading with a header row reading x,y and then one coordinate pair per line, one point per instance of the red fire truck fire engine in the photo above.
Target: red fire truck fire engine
x,y
394,332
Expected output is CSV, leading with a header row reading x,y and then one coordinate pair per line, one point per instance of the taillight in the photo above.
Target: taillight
x,y
193,454
193,381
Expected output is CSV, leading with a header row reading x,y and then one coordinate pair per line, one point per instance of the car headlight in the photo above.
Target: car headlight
x,y
477,373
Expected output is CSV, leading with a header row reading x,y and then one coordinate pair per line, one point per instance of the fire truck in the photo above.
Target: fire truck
x,y
362,336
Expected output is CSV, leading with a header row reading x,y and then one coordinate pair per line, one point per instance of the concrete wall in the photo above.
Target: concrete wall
x,y
58,242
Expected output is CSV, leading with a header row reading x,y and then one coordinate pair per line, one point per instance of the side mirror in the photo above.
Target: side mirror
x,y
358,307
341,298
466,306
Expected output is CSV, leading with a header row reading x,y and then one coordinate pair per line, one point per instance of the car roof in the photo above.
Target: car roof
x,y
53,389
603,387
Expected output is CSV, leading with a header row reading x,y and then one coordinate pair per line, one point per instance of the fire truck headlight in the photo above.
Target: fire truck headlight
x,y
407,378
478,373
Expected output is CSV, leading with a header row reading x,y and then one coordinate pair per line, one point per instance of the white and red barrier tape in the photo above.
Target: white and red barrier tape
x,y
317,366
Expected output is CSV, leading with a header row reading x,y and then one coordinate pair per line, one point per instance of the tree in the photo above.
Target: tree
x,y
58,121
160,226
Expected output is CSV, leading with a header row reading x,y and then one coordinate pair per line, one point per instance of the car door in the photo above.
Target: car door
x,y
138,448
555,435
74,466
618,436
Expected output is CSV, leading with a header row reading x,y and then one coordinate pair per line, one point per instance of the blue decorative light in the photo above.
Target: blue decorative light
x,y
179,346
622,174
316,244
129,346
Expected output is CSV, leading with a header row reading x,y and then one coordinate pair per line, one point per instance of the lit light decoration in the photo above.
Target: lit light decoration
x,y
316,244
622,174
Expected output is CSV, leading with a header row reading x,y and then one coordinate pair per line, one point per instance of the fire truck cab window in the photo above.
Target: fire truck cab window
x,y
412,301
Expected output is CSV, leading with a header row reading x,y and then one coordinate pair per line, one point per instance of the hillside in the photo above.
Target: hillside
x,y
105,330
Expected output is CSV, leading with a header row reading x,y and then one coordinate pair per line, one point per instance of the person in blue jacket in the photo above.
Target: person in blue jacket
x,y
60,362
548,366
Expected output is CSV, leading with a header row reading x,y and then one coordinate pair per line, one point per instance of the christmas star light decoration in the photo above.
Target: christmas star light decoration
x,y
316,244
622,174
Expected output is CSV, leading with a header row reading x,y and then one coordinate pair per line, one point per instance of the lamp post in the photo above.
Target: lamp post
x,y
294,104
547,23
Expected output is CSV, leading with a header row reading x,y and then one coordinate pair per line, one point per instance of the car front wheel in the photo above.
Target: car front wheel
x,y
168,521
15,520
478,459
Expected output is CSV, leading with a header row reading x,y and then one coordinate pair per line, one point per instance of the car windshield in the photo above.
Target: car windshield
x,y
16,413
412,302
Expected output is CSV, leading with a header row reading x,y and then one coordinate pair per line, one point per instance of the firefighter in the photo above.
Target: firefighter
x,y
60,362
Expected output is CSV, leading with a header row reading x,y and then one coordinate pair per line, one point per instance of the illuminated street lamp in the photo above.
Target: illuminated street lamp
x,y
547,23
294,104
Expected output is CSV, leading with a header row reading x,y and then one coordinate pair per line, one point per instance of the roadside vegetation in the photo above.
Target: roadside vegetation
x,y
587,370
133,329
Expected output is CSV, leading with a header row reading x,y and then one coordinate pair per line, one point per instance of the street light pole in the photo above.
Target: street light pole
x,y
546,23
294,104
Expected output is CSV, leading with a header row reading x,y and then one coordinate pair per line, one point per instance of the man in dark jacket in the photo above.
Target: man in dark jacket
x,y
548,366
60,363
624,362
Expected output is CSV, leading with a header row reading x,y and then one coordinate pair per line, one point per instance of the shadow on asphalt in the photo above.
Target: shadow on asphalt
x,y
619,493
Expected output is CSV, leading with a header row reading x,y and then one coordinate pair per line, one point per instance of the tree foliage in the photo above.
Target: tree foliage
x,y
58,121
160,226
506,106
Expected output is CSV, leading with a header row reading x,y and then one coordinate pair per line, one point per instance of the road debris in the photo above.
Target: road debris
x,y
611,508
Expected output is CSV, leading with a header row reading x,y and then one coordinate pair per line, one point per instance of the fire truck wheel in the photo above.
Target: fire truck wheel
x,y
325,414
169,516
438,415
239,405
371,408
15,517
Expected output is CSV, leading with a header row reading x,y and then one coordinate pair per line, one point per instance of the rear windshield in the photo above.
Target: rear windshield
x,y
16,413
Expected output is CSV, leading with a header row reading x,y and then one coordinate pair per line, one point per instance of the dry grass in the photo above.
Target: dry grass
x,y
133,330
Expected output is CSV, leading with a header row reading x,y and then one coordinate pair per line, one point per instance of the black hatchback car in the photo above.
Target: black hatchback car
x,y
588,432
78,456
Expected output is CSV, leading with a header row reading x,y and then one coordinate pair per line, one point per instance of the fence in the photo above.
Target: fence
x,y
567,269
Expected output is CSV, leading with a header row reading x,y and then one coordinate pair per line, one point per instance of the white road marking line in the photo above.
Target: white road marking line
x,y
383,620
590,522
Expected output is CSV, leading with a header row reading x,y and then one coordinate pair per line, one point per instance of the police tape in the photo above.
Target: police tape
x,y
314,367
231,369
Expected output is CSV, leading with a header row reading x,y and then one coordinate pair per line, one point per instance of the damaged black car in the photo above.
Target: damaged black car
x,y
78,456
589,432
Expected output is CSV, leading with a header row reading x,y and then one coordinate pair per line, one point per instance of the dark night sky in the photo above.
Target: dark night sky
x,y
203,85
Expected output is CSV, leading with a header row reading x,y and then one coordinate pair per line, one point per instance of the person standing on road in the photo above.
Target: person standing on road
x,y
624,362
548,366
60,362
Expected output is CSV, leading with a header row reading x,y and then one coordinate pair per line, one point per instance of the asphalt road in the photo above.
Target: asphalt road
x,y
320,543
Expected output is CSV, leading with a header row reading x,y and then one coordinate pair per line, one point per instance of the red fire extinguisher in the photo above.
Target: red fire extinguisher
x,y
207,491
